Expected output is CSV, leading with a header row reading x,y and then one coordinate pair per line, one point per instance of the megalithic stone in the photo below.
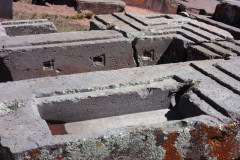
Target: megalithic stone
x,y
6,9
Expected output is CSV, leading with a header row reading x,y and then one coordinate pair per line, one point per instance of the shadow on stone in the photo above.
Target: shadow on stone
x,y
5,74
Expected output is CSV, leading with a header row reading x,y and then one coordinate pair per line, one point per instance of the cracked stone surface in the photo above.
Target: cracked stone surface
x,y
101,6
206,107
225,17
155,87
28,27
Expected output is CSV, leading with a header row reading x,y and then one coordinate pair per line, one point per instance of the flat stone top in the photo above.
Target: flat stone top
x,y
134,25
119,2
51,86
18,99
25,22
54,38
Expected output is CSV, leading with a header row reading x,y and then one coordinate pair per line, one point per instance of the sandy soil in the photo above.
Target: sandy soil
x,y
138,10
48,9
58,14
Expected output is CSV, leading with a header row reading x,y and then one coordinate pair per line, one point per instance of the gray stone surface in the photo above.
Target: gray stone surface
x,y
233,30
194,6
6,10
162,38
64,53
2,31
28,27
174,111
101,6
175,91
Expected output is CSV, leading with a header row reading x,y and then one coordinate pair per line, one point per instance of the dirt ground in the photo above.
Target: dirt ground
x,y
65,18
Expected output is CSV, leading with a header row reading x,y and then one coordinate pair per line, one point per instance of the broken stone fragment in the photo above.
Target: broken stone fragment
x,y
228,12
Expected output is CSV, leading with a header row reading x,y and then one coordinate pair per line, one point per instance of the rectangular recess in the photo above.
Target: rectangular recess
x,y
60,110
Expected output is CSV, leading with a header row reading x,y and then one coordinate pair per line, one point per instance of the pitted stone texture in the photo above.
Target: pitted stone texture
x,y
6,10
133,25
28,27
233,30
65,53
101,6
211,96
162,38
228,12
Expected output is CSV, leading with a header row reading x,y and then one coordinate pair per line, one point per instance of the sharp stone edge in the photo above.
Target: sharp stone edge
x,y
182,99
191,106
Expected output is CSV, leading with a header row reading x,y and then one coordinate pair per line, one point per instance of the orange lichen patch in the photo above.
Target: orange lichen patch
x,y
34,153
223,143
171,151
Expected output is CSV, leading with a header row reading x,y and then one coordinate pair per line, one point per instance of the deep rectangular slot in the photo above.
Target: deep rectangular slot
x,y
119,104
159,17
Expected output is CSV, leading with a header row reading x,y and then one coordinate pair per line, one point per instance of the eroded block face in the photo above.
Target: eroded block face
x,y
139,110
28,27
225,17
161,38
65,53
228,12
6,9
101,6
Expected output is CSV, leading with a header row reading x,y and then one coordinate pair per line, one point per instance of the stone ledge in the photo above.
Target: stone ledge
x,y
202,90
28,27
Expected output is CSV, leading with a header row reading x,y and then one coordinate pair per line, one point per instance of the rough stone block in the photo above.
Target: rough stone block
x,y
101,6
6,10
54,54
179,36
28,27
228,12
194,6
174,106
233,30
149,49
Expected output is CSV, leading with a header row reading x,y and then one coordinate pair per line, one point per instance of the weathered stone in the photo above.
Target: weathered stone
x,y
160,38
94,122
28,27
195,6
6,9
101,6
55,54
174,111
228,12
